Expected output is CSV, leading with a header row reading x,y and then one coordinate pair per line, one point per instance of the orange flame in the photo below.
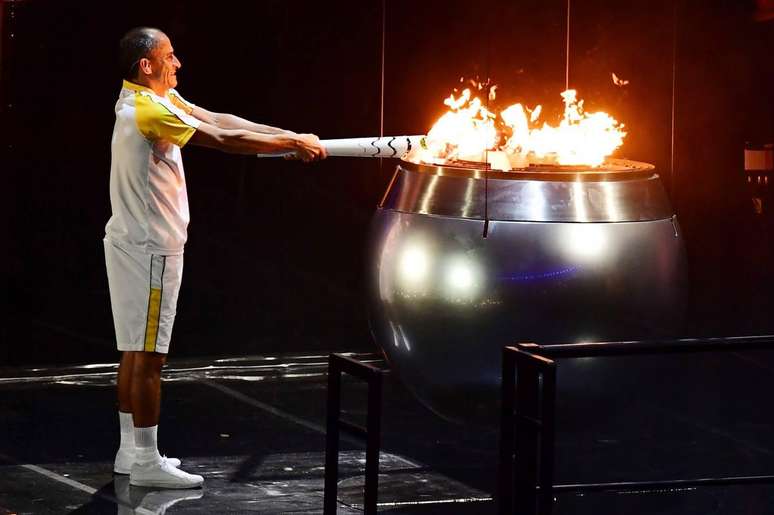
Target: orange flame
x,y
465,132
468,132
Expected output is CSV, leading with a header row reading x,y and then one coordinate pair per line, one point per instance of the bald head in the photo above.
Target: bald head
x,y
136,44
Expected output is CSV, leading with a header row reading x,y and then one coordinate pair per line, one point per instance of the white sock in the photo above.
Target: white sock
x,y
146,444
127,432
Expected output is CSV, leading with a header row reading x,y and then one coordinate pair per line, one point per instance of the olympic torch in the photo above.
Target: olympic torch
x,y
387,146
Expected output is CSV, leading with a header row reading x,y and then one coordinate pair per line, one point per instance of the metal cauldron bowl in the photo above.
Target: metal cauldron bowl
x,y
464,261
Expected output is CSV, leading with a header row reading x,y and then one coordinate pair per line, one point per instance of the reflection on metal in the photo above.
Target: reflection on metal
x,y
574,254
428,196
611,202
412,488
395,504
405,340
461,279
571,194
585,243
414,268
467,202
535,201
579,202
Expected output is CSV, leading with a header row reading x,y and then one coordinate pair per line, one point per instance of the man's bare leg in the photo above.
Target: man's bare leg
x,y
126,448
150,468
147,400
145,387
125,382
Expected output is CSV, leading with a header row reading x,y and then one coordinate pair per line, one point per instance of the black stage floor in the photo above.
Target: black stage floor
x,y
254,427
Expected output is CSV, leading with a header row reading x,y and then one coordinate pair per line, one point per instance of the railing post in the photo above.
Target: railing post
x,y
526,423
373,426
507,401
547,435
330,495
338,364
526,460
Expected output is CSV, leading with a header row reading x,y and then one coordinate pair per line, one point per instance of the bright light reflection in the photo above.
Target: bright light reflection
x,y
586,241
579,200
461,278
611,201
429,195
405,340
385,270
468,202
536,200
394,335
414,267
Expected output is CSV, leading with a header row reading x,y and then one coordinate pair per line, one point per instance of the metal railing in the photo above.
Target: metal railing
x,y
338,364
527,431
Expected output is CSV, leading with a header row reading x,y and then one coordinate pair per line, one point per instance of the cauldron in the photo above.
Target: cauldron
x,y
465,260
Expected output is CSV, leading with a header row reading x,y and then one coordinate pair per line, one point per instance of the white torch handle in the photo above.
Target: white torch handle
x,y
388,146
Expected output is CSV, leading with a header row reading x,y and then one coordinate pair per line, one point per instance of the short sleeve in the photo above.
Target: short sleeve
x,y
180,102
164,121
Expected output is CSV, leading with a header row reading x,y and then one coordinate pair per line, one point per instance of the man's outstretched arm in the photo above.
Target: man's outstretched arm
x,y
230,121
306,147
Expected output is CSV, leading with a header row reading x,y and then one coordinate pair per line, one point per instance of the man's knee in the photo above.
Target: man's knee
x,y
147,364
127,360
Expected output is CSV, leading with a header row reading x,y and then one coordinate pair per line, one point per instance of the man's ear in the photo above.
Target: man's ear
x,y
145,66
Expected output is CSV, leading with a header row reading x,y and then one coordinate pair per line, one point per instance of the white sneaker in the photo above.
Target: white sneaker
x,y
162,474
125,459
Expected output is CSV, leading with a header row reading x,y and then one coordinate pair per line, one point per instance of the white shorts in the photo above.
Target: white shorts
x,y
143,295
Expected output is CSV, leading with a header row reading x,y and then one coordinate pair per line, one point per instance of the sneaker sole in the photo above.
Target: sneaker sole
x,y
162,484
128,470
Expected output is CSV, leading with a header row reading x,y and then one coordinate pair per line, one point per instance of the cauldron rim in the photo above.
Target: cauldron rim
x,y
611,170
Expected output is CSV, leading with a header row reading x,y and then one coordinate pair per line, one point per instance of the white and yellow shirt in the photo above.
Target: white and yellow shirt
x,y
147,184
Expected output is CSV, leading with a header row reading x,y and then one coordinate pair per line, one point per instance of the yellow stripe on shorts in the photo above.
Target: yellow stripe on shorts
x,y
154,302
154,313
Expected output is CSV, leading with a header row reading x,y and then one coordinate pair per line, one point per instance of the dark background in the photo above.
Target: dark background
x,y
275,258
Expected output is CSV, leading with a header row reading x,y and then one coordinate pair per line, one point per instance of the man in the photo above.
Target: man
x,y
145,235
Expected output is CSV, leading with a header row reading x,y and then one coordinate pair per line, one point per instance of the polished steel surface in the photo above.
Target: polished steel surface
x,y
626,192
445,297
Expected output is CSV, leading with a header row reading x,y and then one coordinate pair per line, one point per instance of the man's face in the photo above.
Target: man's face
x,y
164,64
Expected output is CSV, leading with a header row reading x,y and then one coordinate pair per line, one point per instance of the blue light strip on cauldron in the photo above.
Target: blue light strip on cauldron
x,y
539,276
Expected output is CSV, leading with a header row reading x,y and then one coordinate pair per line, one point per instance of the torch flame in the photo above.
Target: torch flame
x,y
468,132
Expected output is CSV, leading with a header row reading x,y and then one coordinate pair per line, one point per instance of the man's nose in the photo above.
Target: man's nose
x,y
177,63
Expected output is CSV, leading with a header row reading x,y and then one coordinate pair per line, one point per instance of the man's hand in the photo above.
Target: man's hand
x,y
308,148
